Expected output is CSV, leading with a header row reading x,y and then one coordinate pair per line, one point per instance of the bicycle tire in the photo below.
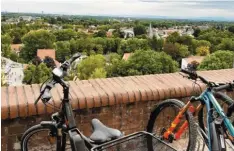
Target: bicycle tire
x,y
189,117
29,133
223,98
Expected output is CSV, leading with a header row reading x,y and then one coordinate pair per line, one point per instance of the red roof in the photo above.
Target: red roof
x,y
16,47
42,53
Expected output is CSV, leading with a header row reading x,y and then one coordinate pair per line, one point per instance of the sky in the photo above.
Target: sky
x,y
137,8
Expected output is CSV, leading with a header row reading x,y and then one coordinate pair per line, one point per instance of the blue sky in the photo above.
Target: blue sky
x,y
171,8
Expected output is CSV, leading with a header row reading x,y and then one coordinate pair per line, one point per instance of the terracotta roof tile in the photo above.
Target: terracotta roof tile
x,y
19,101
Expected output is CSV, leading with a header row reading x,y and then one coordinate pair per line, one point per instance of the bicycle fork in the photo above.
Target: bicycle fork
x,y
177,120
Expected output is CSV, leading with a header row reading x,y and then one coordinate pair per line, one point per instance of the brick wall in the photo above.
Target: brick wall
x,y
122,103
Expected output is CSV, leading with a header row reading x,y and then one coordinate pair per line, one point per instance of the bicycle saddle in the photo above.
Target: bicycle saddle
x,y
102,133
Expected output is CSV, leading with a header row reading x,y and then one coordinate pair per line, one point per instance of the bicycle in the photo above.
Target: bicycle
x,y
63,125
218,123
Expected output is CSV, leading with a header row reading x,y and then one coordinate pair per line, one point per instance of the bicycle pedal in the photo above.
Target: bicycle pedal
x,y
171,138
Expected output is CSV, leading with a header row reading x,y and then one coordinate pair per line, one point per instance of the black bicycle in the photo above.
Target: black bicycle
x,y
61,132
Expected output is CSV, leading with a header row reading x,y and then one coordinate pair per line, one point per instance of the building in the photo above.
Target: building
x,y
186,62
25,18
128,33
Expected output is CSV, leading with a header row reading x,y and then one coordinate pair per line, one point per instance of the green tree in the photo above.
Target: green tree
x,y
40,39
118,34
36,74
91,67
100,33
6,39
139,30
151,62
36,61
203,51
176,51
17,34
5,45
156,44
218,60
196,32
173,38
5,50
199,43
226,44
14,57
130,45
62,50
231,29
98,73
65,34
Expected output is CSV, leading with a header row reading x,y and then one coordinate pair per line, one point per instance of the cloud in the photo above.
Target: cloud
x,y
174,8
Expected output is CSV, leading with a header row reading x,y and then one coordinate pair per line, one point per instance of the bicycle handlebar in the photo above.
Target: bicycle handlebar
x,y
193,75
228,86
45,93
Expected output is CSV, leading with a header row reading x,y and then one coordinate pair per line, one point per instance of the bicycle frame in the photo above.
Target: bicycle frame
x,y
76,138
209,100
211,103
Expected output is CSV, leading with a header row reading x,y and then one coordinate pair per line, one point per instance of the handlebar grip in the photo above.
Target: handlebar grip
x,y
224,87
190,73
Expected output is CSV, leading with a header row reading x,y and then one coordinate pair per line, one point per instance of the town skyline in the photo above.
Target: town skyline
x,y
205,9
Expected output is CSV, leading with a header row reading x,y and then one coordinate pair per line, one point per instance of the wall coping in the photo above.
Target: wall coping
x,y
18,101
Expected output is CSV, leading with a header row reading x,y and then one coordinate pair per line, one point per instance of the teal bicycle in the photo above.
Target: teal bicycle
x,y
218,125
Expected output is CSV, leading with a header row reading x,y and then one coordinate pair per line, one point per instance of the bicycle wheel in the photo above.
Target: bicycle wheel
x,y
37,138
162,116
224,102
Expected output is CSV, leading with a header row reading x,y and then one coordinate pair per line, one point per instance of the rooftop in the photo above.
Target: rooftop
x,y
16,47
42,53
